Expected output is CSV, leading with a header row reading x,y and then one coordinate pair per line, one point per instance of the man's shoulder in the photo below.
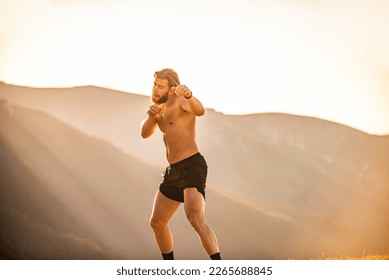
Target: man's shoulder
x,y
181,99
179,102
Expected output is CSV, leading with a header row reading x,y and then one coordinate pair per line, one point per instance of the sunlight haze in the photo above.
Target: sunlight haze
x,y
326,59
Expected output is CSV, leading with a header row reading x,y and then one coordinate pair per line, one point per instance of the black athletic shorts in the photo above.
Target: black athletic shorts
x,y
188,173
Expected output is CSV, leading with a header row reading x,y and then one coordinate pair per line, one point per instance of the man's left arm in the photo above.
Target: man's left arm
x,y
192,104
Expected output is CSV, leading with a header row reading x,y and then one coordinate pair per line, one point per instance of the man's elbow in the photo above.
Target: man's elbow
x,y
200,112
144,134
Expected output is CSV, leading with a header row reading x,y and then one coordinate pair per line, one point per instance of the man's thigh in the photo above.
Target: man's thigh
x,y
163,208
194,202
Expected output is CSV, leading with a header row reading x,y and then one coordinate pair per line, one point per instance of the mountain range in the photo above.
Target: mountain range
x,y
77,181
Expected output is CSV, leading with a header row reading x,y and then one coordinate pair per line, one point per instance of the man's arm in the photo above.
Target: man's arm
x,y
149,125
192,104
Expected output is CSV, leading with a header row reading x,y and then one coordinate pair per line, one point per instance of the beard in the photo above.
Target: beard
x,y
160,99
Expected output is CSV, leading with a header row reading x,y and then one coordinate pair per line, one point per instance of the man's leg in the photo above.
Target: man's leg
x,y
163,210
195,212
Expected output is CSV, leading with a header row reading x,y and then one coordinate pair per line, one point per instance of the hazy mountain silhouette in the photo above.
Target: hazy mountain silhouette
x,y
77,181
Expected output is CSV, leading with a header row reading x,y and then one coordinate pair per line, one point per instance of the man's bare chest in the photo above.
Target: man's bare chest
x,y
167,119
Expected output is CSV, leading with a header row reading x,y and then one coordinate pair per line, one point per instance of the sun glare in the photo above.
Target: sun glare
x,y
237,58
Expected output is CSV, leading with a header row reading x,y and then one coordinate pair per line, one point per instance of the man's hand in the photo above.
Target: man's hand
x,y
182,90
154,111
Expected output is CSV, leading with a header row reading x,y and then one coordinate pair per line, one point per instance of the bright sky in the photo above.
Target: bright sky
x,y
327,59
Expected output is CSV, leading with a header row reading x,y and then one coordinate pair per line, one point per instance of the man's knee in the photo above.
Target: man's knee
x,y
196,219
156,223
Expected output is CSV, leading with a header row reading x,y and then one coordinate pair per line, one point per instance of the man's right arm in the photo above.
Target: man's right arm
x,y
149,125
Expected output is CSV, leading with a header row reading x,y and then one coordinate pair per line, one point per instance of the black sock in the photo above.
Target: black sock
x,y
168,256
216,256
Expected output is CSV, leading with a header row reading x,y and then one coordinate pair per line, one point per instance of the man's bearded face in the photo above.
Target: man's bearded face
x,y
160,91
157,99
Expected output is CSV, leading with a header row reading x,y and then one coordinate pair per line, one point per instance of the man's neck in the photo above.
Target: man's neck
x,y
170,99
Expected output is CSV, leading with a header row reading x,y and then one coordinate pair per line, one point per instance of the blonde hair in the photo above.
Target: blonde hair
x,y
168,74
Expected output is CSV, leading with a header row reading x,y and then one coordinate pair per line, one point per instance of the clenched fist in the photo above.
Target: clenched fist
x,y
154,110
182,90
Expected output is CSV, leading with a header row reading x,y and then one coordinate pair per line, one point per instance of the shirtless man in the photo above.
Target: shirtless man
x,y
174,111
